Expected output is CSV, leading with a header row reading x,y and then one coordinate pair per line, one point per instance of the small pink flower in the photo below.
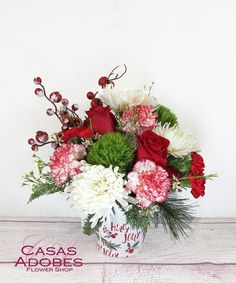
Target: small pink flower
x,y
149,182
65,161
138,119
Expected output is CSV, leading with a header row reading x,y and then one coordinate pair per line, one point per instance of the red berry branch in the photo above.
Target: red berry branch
x,y
104,81
114,75
68,116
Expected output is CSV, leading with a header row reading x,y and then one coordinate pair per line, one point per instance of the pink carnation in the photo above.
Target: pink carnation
x,y
149,182
138,119
65,161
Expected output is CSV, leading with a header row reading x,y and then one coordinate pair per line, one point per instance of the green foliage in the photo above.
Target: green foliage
x,y
140,218
41,182
87,226
182,164
176,215
166,116
114,149
184,181
109,244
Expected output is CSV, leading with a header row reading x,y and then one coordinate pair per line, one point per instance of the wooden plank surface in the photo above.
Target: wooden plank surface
x,y
208,255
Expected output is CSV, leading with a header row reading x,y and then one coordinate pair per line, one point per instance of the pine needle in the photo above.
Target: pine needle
x,y
176,215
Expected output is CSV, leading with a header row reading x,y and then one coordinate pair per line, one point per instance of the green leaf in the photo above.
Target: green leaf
x,y
182,164
109,244
165,116
135,245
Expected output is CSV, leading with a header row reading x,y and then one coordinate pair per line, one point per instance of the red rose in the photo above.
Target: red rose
x,y
197,169
153,147
102,120
75,132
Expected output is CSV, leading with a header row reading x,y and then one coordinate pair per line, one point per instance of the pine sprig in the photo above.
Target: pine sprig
x,y
139,218
176,215
40,182
87,229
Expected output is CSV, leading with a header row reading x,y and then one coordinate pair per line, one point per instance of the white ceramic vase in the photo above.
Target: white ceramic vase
x,y
116,238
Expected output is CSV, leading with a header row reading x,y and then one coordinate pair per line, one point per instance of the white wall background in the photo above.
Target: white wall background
x,y
188,47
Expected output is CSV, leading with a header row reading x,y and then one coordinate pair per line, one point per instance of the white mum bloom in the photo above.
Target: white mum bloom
x,y
96,190
181,143
120,99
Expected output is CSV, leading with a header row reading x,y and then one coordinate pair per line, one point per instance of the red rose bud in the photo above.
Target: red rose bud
x,y
75,107
90,95
101,119
55,97
41,137
65,102
39,92
37,81
96,102
34,147
50,111
103,81
31,141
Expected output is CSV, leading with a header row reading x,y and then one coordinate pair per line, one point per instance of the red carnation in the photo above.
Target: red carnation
x,y
75,132
102,120
197,169
153,147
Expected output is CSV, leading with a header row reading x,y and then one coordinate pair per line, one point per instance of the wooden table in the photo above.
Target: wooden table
x,y
208,255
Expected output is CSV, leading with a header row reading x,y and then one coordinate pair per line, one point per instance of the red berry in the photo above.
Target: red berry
x,y
87,122
31,141
41,137
34,147
62,109
103,81
50,112
39,92
53,145
131,250
96,102
77,120
65,102
55,97
65,120
90,95
64,127
75,107
113,236
37,81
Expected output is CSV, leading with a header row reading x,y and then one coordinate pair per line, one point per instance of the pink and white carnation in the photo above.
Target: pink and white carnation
x,y
138,119
65,162
149,182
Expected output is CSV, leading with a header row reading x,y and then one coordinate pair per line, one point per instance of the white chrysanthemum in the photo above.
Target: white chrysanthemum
x,y
96,190
181,143
120,99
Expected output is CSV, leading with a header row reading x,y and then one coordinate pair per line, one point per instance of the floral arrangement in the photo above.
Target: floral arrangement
x,y
129,151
